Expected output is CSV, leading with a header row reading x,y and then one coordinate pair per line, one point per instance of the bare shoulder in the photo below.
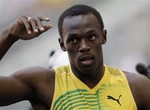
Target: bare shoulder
x,y
35,84
136,78
34,73
41,80
140,87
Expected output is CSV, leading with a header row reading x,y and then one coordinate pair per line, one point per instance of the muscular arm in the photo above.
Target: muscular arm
x,y
13,90
140,87
35,84
17,87
31,83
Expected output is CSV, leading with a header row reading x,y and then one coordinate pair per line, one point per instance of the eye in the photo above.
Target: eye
x,y
91,37
74,40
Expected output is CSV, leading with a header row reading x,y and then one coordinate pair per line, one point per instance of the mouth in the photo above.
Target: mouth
x,y
87,60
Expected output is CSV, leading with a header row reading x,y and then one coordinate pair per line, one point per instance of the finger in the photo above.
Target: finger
x,y
39,24
33,23
44,18
26,24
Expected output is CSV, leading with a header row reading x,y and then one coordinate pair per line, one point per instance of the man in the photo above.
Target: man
x,y
84,84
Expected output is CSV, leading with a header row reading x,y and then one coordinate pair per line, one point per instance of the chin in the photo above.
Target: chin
x,y
87,69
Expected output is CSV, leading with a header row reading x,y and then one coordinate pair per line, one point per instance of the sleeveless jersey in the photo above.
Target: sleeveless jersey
x,y
111,93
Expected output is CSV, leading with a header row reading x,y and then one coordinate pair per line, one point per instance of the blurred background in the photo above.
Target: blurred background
x,y
127,23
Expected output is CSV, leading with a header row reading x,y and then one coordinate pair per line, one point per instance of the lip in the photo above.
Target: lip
x,y
86,60
86,57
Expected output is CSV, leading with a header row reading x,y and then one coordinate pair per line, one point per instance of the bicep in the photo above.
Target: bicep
x,y
12,90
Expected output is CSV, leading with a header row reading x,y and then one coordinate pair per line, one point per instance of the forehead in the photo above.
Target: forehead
x,y
79,22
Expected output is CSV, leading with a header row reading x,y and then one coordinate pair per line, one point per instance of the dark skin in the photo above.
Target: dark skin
x,y
82,39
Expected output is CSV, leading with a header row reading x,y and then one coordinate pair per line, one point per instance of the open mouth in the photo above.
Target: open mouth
x,y
87,59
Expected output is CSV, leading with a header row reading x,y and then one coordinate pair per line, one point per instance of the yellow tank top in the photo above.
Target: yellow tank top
x,y
111,93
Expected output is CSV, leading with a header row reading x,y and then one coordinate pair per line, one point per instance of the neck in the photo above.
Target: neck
x,y
91,79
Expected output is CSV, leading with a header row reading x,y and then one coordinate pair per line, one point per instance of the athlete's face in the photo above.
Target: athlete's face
x,y
83,39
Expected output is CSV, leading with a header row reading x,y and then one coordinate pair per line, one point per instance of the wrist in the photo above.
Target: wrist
x,y
9,36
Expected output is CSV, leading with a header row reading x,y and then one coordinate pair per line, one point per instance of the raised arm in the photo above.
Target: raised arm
x,y
25,28
24,84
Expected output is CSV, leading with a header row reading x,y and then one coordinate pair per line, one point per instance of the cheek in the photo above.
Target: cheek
x,y
98,49
97,45
72,52
71,48
72,57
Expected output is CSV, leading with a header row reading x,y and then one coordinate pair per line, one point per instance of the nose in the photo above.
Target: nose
x,y
84,46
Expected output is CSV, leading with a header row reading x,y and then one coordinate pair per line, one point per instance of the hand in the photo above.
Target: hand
x,y
27,27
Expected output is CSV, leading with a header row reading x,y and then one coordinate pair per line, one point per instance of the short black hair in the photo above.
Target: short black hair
x,y
78,10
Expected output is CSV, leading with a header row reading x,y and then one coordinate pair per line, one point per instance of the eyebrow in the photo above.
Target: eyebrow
x,y
71,35
92,31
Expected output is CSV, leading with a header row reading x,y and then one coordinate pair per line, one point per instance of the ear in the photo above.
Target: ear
x,y
104,36
61,44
